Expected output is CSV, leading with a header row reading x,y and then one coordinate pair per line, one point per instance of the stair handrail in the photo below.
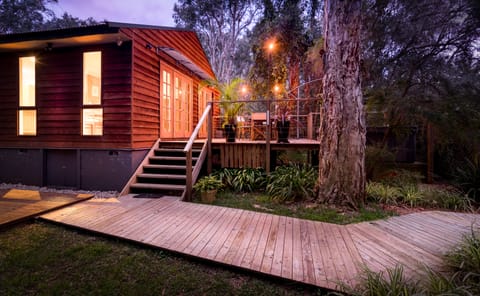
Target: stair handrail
x,y
190,176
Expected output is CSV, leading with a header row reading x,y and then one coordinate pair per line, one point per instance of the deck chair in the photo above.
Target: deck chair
x,y
258,126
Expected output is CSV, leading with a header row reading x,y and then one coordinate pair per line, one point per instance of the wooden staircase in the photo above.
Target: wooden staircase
x,y
163,172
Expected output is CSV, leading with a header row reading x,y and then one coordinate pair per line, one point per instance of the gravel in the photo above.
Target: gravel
x,y
97,194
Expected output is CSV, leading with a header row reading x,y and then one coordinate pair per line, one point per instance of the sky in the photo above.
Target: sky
x,y
147,12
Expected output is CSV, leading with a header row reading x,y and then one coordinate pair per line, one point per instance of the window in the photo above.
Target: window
x,y
27,113
92,112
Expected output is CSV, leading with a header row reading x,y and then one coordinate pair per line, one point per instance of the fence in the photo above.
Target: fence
x,y
255,119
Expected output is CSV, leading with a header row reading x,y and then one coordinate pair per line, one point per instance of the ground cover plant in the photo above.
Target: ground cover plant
x,y
401,187
462,276
44,259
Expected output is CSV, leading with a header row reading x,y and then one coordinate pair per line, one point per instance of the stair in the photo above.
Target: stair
x,y
164,172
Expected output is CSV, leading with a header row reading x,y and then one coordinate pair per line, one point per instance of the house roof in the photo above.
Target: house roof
x,y
113,32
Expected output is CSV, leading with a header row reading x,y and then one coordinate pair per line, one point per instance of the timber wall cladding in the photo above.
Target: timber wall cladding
x,y
240,155
146,77
8,97
59,99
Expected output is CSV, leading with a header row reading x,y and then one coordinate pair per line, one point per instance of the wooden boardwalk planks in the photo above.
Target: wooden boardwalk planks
x,y
311,252
19,205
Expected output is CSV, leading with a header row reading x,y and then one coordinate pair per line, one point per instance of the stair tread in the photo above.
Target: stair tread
x,y
175,150
164,166
158,186
161,176
171,158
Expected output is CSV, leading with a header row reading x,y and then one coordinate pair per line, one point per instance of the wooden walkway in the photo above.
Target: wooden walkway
x,y
316,253
19,205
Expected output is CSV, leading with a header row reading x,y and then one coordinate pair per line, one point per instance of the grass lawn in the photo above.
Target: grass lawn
x,y
45,259
311,211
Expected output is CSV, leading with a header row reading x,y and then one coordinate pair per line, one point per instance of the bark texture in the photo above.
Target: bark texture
x,y
342,128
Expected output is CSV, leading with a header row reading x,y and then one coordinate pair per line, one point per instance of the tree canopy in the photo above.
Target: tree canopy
x,y
18,16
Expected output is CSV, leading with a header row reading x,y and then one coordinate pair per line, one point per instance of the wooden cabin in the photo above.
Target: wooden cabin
x,y
81,107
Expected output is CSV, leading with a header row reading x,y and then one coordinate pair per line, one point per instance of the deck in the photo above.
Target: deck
x,y
245,153
19,205
316,253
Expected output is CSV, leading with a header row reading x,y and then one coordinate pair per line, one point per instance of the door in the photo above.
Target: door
x,y
204,96
176,104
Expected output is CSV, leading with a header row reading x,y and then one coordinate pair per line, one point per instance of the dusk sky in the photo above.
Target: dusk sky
x,y
148,12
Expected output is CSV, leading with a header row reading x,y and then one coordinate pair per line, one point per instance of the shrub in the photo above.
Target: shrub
x,y
242,180
467,177
446,198
208,183
379,192
292,182
401,178
465,258
394,283
410,194
378,161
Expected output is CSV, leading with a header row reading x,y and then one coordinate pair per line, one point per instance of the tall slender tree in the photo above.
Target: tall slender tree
x,y
221,24
342,128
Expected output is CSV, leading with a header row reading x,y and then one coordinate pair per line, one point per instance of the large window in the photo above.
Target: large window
x,y
27,113
92,113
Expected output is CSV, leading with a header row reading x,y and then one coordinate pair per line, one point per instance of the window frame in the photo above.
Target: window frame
x,y
26,107
91,106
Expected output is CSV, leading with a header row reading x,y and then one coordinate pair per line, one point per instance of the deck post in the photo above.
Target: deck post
x,y
189,180
209,139
267,139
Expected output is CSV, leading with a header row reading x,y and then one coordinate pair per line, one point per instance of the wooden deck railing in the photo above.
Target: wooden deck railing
x,y
192,174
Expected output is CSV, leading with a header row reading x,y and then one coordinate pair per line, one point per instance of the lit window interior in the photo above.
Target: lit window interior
x,y
92,121
92,77
27,122
27,82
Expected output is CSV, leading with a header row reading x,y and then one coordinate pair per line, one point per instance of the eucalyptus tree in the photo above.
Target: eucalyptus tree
x,y
342,128
221,25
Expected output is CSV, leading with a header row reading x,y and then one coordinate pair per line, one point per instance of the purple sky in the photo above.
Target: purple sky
x,y
148,12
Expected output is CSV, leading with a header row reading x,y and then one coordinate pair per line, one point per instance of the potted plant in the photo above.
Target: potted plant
x,y
282,122
207,187
229,96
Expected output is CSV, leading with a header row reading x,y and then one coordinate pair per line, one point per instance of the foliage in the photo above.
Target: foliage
x,y
280,21
467,177
421,67
412,194
242,180
291,183
33,15
378,160
446,198
229,95
43,259
208,183
465,259
222,27
462,279
401,177
382,193
393,283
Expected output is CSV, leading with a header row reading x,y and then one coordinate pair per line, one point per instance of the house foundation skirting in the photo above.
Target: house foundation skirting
x,y
88,169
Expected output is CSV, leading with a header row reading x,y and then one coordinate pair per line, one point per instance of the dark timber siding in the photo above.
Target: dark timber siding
x,y
59,98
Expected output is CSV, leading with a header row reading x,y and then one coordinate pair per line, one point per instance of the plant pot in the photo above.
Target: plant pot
x,y
230,132
208,196
283,128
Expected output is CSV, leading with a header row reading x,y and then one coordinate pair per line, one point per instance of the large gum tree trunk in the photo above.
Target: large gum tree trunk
x,y
342,127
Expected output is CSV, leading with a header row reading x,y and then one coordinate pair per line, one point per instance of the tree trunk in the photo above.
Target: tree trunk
x,y
342,127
